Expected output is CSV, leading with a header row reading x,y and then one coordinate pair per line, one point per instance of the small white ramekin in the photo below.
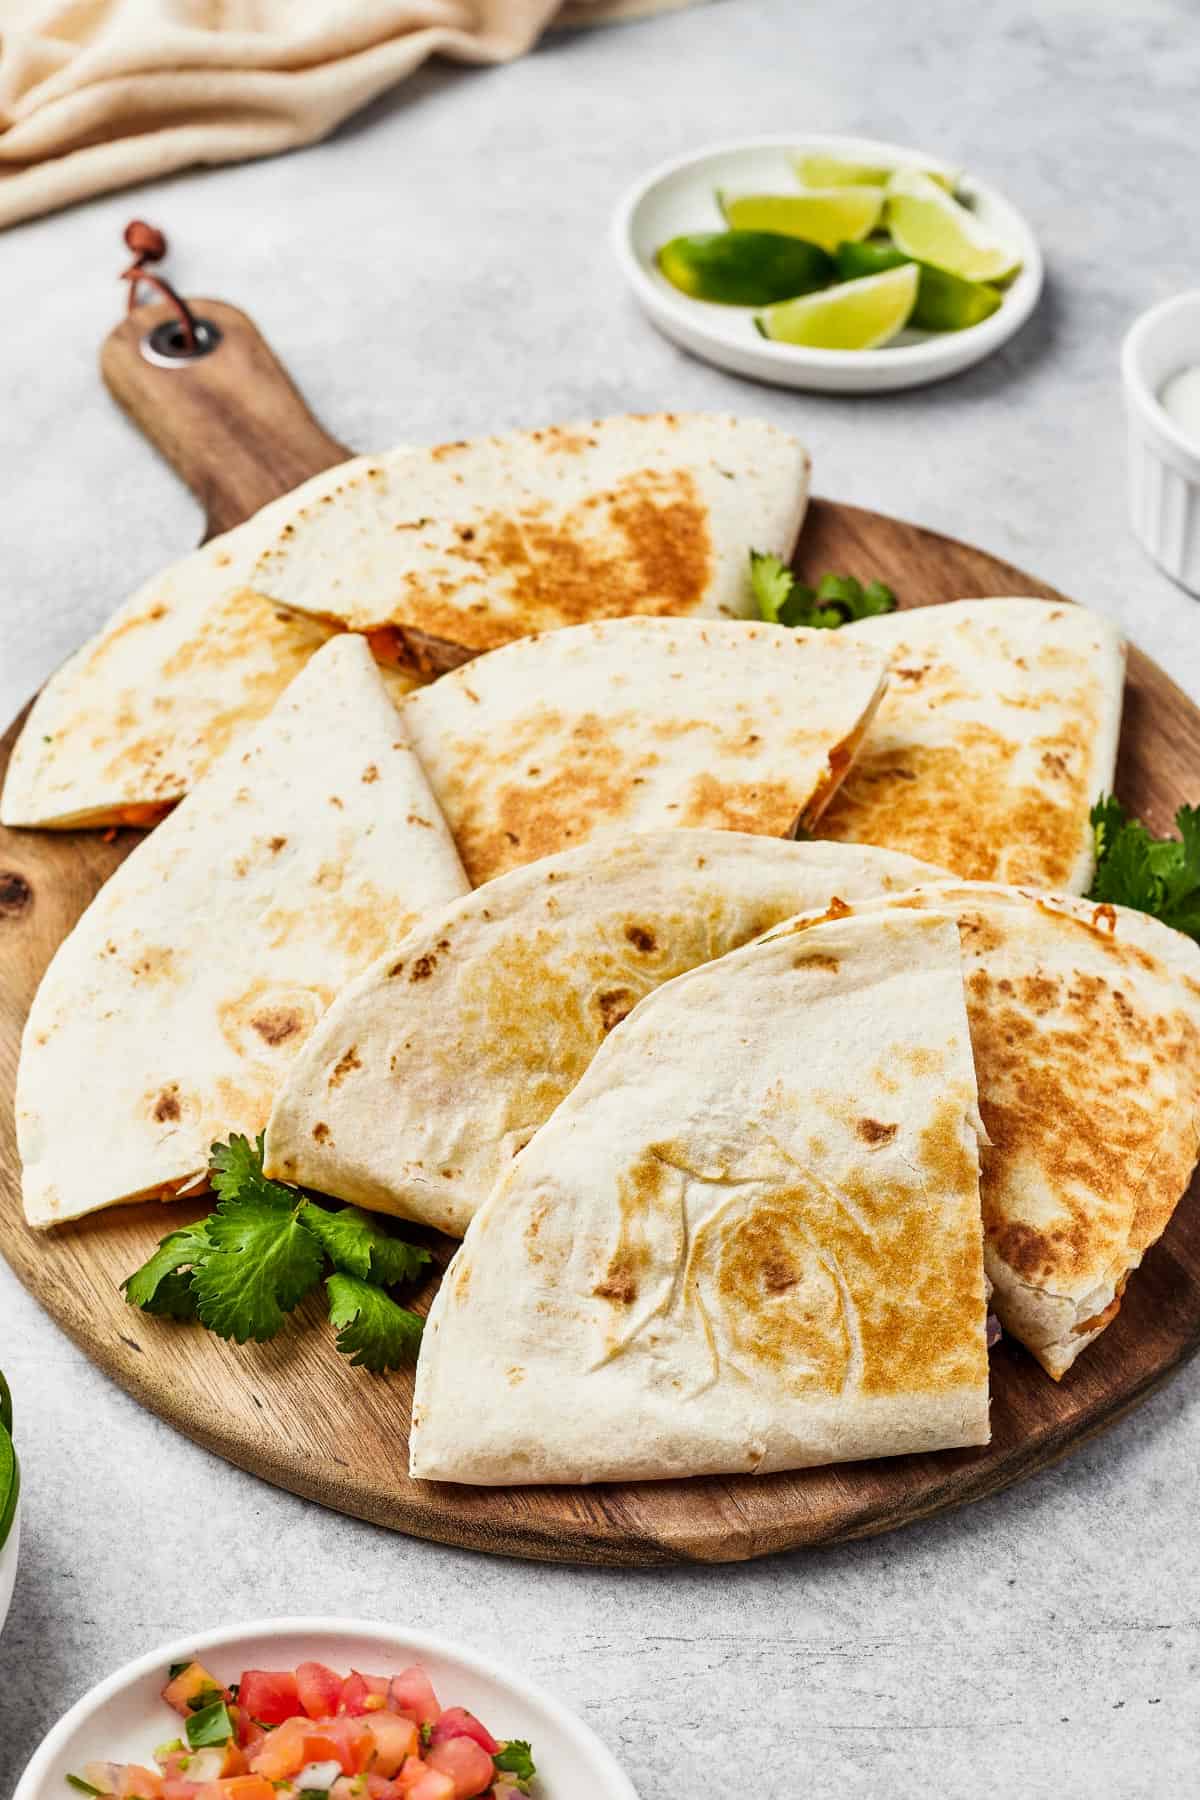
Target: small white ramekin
x,y
1164,467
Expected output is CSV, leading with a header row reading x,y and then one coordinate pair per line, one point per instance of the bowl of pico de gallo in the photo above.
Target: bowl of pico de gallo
x,y
313,1709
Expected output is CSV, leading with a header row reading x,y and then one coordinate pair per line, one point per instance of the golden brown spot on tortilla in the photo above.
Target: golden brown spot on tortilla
x,y
166,1108
348,1060
961,806
642,1189
642,938
277,1024
416,819
321,1132
515,1375
155,962
616,1004
922,1059
370,773
424,966
874,1132
462,1281
816,959
1104,918
769,808
396,969
334,801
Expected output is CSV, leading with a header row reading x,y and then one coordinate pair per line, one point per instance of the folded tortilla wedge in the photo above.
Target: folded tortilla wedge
x,y
997,734
749,1239
170,1015
634,724
136,717
433,1069
457,549
1085,1022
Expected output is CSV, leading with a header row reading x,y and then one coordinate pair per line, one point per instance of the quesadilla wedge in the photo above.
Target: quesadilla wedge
x,y
633,724
749,1240
433,1069
997,734
169,1016
1085,1022
446,552
136,717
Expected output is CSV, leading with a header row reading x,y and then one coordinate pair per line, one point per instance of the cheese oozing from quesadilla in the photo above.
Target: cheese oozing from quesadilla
x,y
428,1074
465,546
188,664
169,1016
635,724
749,1240
996,736
1085,1023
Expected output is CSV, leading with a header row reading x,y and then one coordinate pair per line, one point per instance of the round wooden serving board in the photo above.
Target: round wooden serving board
x,y
295,1413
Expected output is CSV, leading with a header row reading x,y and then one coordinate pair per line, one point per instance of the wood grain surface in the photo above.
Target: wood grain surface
x,y
293,1411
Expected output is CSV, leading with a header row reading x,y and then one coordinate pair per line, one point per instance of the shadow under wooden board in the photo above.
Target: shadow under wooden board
x,y
296,1414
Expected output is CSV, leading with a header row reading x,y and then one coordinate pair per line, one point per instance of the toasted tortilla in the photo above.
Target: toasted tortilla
x,y
135,718
635,724
170,1015
749,1240
474,544
431,1072
997,734
1085,1022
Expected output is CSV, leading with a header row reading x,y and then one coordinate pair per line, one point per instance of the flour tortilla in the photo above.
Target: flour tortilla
x,y
170,1015
136,717
997,734
432,1070
634,724
1085,1022
749,1240
476,543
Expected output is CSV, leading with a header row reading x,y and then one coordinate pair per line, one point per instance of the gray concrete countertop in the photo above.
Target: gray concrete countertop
x,y
441,268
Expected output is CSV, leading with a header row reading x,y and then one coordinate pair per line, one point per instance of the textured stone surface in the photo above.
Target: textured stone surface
x,y
441,268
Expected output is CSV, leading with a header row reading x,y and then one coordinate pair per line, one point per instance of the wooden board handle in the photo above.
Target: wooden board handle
x,y
232,423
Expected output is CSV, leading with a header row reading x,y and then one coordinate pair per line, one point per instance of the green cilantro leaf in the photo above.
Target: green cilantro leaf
x,y
82,1786
357,1245
175,1669
262,1260
772,582
212,1725
161,1285
1159,876
372,1330
836,600
515,1759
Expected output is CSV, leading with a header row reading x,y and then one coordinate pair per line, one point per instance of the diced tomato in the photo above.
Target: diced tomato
x,y
319,1689
466,1762
240,1787
188,1685
363,1694
250,1735
456,1721
138,1783
269,1695
429,1784
411,1694
394,1740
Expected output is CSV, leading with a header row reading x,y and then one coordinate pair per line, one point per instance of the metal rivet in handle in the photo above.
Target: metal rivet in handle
x,y
166,346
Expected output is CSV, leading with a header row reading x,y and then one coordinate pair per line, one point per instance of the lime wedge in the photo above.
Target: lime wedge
x,y
945,302
744,268
824,216
857,315
817,170
931,226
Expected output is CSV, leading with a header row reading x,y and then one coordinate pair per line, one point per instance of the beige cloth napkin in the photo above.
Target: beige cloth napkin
x,y
99,94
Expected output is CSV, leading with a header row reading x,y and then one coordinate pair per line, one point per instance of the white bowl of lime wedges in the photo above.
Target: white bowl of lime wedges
x,y
842,264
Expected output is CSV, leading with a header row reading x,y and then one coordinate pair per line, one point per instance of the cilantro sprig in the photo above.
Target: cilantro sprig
x,y
515,1759
836,599
264,1248
1159,876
